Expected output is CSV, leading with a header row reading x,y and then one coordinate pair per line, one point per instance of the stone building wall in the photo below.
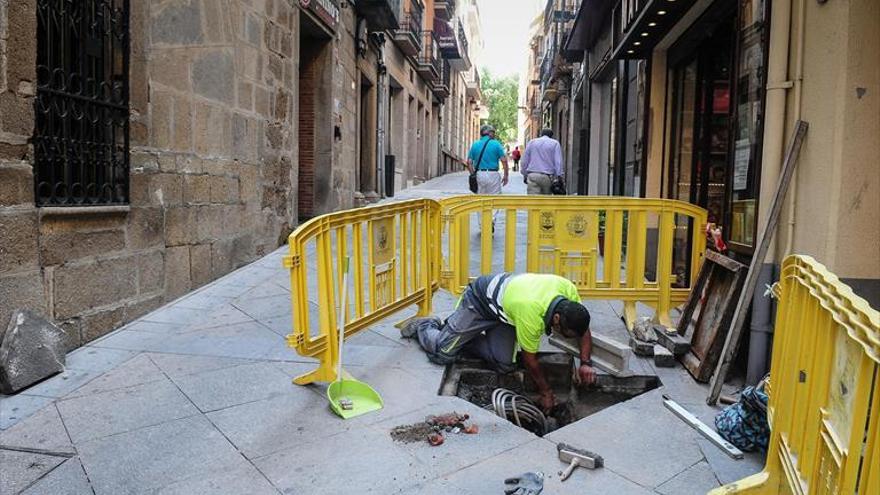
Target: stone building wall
x,y
212,164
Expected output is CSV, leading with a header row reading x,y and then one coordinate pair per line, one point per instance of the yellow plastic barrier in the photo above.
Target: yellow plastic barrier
x,y
562,236
824,409
394,265
397,252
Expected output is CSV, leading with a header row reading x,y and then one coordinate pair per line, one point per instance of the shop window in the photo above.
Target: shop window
x,y
81,108
745,173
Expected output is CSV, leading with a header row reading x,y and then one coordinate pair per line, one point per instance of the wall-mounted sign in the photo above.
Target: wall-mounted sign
x,y
326,10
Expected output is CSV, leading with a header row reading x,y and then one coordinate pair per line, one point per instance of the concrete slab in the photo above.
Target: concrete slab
x,y
458,451
239,479
264,307
695,480
67,479
180,365
286,421
218,389
159,456
638,439
728,470
21,469
155,327
14,408
63,383
174,314
540,455
42,431
136,371
372,464
219,316
281,325
123,410
96,359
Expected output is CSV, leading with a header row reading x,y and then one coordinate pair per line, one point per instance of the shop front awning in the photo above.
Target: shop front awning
x,y
588,25
650,21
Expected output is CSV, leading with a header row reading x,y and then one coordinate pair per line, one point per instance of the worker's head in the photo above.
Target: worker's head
x,y
487,130
571,319
547,132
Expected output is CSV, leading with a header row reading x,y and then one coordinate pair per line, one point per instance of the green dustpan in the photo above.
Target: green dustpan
x,y
349,397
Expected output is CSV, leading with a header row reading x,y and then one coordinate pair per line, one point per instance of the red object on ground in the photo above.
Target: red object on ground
x,y
435,439
472,429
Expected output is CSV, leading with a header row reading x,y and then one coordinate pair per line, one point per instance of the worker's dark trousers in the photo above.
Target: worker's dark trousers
x,y
468,333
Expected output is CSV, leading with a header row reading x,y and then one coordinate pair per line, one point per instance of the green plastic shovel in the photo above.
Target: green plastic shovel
x,y
349,397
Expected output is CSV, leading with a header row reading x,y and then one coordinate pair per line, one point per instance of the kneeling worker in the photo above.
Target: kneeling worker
x,y
498,313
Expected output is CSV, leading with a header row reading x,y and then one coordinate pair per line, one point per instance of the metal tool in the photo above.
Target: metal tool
x,y
701,427
577,458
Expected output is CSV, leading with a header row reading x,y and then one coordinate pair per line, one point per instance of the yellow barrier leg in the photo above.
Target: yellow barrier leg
x,y
753,484
629,314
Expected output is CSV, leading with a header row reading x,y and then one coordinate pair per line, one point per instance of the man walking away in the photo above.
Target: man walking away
x,y
516,155
542,163
501,313
483,159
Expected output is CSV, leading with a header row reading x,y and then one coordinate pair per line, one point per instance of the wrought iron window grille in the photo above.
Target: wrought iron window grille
x,y
81,132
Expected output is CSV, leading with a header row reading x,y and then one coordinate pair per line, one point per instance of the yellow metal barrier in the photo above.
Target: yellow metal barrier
x,y
561,234
394,265
824,409
397,249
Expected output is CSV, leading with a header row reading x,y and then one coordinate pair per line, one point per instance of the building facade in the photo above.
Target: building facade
x,y
696,101
149,147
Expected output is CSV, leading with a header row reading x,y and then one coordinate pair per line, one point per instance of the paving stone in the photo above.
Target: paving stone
x,y
180,365
155,327
728,470
540,455
268,289
695,480
203,300
97,359
20,469
286,421
373,464
240,479
217,317
264,307
640,440
218,389
15,408
63,383
281,325
177,315
123,410
458,451
44,431
150,458
663,357
31,349
136,371
371,338
66,479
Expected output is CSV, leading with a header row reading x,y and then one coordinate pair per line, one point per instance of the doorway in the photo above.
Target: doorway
x,y
701,128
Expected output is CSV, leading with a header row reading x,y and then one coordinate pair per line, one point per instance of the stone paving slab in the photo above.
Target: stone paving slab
x,y
110,413
43,431
67,479
22,469
219,389
151,458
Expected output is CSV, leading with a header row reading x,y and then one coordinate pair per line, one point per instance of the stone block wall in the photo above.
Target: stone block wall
x,y
213,172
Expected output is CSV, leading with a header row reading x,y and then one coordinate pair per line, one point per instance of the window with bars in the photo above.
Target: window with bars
x,y
81,136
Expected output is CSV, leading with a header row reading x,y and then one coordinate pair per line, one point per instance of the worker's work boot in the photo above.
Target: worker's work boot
x,y
411,329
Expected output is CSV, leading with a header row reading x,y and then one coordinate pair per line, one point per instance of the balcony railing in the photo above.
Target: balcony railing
x,y
379,14
409,36
444,9
429,57
441,86
453,44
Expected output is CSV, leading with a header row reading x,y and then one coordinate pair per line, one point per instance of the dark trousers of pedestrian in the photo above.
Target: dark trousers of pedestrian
x,y
468,333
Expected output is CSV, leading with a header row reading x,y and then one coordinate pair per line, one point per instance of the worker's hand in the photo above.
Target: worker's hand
x,y
548,400
587,374
504,180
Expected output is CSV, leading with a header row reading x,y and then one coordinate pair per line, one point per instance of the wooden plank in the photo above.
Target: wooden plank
x,y
708,314
751,282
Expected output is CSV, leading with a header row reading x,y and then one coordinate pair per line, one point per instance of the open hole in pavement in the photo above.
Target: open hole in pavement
x,y
474,382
